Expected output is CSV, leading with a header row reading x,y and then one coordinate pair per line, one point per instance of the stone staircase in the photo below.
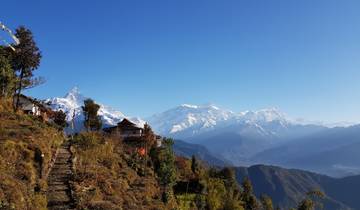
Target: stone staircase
x,y
59,191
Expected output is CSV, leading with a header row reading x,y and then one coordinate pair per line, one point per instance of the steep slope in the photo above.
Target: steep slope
x,y
287,186
27,147
71,105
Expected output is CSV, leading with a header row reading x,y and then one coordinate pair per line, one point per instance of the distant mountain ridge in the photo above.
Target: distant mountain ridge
x,y
234,136
186,121
288,186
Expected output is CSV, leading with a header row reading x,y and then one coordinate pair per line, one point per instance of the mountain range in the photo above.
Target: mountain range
x,y
288,186
267,136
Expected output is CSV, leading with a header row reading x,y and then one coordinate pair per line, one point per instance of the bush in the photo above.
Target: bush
x,y
87,140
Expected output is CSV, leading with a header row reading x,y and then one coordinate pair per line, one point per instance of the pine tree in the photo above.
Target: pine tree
x,y
7,78
60,119
249,199
194,165
24,61
166,168
266,202
92,121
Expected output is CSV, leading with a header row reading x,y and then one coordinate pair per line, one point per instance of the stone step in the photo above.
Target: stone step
x,y
59,205
61,167
59,196
58,187
58,180
60,171
57,183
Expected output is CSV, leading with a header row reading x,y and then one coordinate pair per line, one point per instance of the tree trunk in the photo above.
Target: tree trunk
x,y
19,91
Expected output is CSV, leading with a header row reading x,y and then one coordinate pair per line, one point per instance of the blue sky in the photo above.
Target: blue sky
x,y
143,57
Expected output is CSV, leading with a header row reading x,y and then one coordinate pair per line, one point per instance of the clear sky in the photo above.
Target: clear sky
x,y
142,57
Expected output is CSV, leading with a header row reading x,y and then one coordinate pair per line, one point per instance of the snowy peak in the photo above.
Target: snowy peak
x,y
72,103
265,115
75,96
189,120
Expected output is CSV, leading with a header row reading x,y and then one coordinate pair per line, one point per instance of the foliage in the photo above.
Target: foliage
x,y
60,119
149,135
266,202
25,60
7,77
92,120
166,169
311,201
195,167
216,194
248,197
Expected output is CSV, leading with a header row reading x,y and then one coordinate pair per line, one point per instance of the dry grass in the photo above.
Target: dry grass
x,y
107,176
22,141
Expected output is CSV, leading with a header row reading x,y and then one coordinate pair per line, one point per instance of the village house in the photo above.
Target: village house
x,y
33,107
126,129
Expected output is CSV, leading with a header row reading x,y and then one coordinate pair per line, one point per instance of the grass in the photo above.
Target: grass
x,y
23,139
107,176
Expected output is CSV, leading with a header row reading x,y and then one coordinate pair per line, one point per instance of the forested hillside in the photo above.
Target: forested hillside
x,y
287,186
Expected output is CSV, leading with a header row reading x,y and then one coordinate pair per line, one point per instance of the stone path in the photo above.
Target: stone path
x,y
59,193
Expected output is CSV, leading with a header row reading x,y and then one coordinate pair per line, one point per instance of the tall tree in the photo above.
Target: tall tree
x,y
248,197
166,169
24,60
194,165
7,77
92,120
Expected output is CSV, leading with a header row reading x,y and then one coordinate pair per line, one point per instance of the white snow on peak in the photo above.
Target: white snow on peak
x,y
73,101
188,120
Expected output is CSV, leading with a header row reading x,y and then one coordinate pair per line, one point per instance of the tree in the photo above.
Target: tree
x,y
7,77
165,168
266,202
194,165
149,136
24,61
248,197
216,194
92,120
311,201
60,119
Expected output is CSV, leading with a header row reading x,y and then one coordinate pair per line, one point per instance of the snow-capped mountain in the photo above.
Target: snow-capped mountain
x,y
71,105
235,136
187,121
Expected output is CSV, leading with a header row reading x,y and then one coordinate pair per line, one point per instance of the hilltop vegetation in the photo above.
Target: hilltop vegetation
x,y
27,146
